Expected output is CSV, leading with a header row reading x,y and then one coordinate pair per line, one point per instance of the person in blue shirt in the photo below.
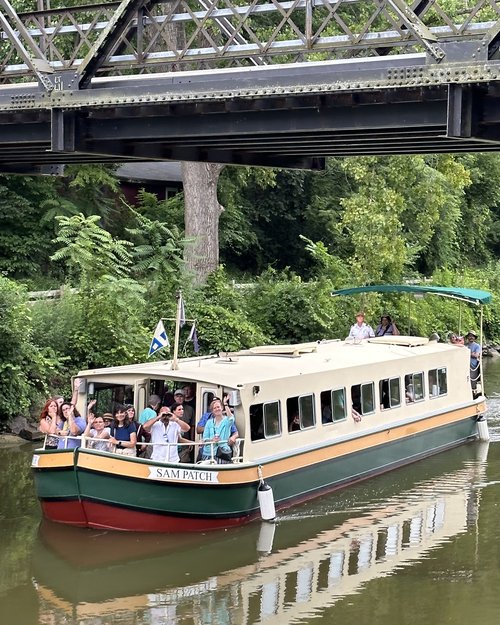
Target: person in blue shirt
x,y
154,402
475,349
475,354
72,426
227,411
217,434
123,433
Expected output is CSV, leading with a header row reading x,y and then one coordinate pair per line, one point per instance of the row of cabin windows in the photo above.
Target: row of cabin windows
x,y
265,418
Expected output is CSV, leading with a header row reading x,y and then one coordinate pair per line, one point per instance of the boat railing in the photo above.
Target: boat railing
x,y
48,442
102,444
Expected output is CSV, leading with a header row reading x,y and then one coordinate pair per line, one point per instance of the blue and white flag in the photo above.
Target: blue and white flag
x,y
182,314
193,336
160,339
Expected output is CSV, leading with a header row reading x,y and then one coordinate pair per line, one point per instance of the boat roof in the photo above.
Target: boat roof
x,y
273,362
472,296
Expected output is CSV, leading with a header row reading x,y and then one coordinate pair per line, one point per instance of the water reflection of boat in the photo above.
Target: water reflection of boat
x,y
311,566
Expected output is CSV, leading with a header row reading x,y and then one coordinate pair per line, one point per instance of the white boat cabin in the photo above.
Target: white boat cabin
x,y
290,398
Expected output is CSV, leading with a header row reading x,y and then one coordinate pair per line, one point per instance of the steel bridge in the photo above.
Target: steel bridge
x,y
251,82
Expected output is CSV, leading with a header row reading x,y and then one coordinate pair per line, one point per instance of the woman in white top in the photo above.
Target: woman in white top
x,y
95,429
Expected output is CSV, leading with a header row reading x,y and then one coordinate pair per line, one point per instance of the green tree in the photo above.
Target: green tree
x,y
24,368
89,251
25,239
157,253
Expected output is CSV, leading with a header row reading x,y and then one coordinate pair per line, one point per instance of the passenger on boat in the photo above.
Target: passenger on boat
x,y
59,400
475,348
48,422
131,413
294,422
142,435
326,413
475,354
188,416
185,452
123,434
386,327
226,409
167,398
166,428
200,426
189,396
361,330
96,429
218,431
151,410
356,415
409,394
385,399
72,424
455,339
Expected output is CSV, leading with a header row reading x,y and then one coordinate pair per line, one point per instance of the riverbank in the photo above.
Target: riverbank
x,y
10,440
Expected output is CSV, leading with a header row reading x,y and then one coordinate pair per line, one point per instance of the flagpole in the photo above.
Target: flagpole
x,y
177,331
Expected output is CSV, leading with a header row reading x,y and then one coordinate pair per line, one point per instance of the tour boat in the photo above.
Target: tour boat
x,y
311,418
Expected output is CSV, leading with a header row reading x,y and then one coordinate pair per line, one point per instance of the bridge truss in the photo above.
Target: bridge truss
x,y
252,82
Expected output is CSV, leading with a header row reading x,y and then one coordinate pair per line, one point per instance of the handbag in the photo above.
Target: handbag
x,y
226,456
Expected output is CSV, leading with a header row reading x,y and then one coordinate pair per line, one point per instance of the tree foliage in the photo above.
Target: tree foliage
x,y
89,251
24,368
294,236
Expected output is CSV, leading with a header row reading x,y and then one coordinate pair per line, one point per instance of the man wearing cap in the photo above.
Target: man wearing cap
x,y
188,416
361,330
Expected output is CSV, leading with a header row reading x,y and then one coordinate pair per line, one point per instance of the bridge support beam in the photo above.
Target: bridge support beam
x,y
62,131
459,121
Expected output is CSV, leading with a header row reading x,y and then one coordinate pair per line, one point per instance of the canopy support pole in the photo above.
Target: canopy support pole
x,y
459,318
409,313
481,344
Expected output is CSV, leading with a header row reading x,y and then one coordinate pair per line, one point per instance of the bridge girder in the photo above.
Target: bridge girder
x,y
279,115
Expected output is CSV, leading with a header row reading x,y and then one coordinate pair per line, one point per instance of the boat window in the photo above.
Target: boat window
x,y
363,398
300,412
367,398
272,419
414,387
333,405
108,395
438,384
306,411
265,420
390,393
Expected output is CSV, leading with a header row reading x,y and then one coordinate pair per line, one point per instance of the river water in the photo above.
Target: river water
x,y
419,546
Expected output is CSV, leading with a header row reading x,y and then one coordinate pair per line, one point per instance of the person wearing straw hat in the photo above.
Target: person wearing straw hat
x,y
475,349
475,355
360,329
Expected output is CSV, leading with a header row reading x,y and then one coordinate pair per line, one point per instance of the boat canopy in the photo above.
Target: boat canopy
x,y
472,296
